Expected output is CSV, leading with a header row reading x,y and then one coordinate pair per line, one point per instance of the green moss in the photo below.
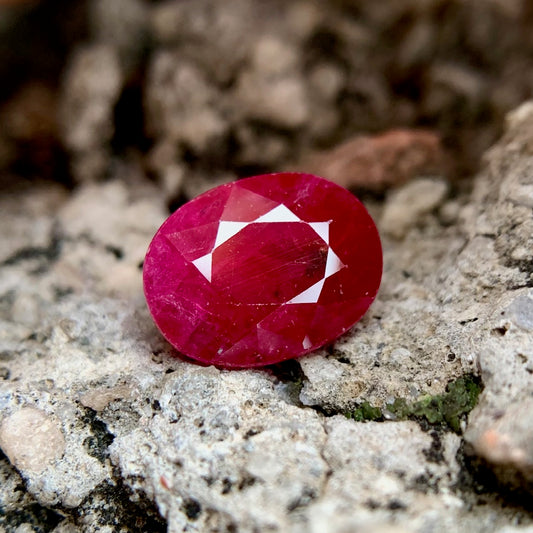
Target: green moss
x,y
366,412
447,409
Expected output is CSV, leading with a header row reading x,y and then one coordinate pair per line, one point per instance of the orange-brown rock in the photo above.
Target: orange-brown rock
x,y
378,162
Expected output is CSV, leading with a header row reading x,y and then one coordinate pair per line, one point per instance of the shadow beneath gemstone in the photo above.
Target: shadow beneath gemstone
x,y
288,371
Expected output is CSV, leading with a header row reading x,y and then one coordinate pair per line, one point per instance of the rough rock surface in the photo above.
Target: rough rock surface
x,y
140,437
104,428
501,225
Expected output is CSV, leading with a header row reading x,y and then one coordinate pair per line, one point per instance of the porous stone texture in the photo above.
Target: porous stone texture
x,y
138,436
501,223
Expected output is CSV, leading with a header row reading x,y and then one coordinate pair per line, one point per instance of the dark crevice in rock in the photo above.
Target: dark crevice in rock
x,y
524,265
396,505
39,518
46,253
29,512
246,481
192,508
478,484
290,375
324,411
128,117
425,483
253,432
115,251
288,371
468,321
227,485
434,454
115,506
302,501
111,505
7,355
501,331
62,292
97,445
527,285
177,201
391,505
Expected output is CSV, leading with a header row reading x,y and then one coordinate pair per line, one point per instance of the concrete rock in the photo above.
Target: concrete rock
x,y
226,446
504,352
119,224
150,436
19,509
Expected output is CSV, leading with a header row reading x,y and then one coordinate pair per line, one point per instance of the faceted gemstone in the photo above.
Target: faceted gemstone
x,y
262,270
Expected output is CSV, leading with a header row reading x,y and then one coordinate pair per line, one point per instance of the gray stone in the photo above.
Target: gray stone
x,y
281,100
407,205
122,24
504,349
212,449
182,104
258,146
521,311
508,442
221,33
32,224
103,425
92,85
272,89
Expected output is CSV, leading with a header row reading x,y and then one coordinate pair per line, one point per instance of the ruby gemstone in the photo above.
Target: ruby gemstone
x,y
262,270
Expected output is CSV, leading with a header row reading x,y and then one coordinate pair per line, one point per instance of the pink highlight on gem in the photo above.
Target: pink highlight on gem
x,y
261,270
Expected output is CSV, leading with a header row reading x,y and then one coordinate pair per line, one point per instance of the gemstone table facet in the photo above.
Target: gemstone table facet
x,y
262,269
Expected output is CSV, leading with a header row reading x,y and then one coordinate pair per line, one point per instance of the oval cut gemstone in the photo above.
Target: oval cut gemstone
x,y
262,269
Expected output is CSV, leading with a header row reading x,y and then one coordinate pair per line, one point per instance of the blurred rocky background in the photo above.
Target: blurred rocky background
x,y
115,112
189,92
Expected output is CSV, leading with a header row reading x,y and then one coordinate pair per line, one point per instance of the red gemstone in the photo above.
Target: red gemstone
x,y
262,270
